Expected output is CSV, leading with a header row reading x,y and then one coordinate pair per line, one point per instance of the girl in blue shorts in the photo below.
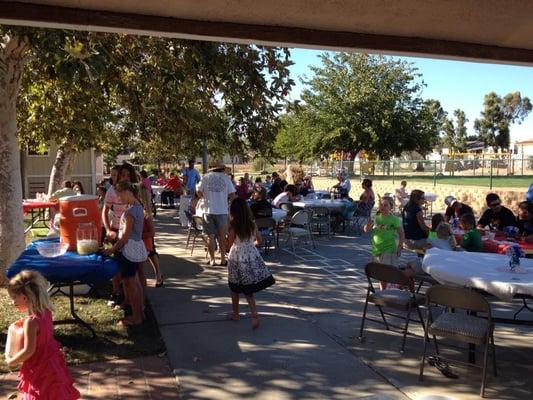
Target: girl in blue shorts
x,y
129,250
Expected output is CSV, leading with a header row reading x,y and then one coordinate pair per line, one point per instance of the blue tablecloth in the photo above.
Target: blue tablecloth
x,y
70,267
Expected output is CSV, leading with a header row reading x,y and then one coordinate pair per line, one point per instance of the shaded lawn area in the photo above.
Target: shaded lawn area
x,y
112,341
519,182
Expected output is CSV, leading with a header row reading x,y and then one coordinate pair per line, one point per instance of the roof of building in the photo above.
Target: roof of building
x,y
498,30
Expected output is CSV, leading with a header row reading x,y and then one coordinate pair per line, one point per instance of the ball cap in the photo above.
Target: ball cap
x,y
450,200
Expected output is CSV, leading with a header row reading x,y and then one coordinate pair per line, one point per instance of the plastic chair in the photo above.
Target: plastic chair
x,y
402,300
463,327
300,226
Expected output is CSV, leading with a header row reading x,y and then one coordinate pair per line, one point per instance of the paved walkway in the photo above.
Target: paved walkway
x,y
306,346
145,378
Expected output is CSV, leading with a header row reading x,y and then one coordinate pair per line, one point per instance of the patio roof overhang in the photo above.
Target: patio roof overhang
x,y
491,30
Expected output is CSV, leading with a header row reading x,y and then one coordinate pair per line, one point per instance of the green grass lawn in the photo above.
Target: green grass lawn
x,y
112,341
521,182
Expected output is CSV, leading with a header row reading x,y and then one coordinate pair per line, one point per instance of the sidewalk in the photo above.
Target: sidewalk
x,y
288,357
306,346
145,378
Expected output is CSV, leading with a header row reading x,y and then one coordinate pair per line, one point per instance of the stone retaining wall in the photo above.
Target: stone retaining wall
x,y
471,195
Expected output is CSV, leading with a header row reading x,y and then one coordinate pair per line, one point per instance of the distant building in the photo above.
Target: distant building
x,y
523,148
86,167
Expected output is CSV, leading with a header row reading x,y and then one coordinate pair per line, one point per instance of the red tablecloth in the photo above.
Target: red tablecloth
x,y
32,205
496,246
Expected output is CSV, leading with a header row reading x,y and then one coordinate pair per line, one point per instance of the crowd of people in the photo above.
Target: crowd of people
x,y
229,211
392,234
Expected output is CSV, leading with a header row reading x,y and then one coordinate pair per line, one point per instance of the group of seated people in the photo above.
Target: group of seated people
x,y
496,218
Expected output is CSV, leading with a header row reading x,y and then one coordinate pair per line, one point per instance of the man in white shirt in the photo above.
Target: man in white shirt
x,y
288,196
216,189
344,186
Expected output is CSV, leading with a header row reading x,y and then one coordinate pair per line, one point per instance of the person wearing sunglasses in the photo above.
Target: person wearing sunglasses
x,y
496,216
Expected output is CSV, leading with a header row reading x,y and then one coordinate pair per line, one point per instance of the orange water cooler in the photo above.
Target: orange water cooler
x,y
76,210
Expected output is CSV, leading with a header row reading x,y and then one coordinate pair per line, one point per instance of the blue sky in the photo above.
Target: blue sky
x,y
456,84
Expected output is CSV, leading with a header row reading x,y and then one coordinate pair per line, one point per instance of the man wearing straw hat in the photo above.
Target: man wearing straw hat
x,y
216,189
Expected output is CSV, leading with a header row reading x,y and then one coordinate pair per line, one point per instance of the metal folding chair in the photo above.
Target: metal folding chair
x,y
402,300
465,327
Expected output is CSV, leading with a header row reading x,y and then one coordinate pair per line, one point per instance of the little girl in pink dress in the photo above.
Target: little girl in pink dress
x,y
43,374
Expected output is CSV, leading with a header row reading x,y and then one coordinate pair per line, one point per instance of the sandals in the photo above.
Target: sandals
x,y
442,366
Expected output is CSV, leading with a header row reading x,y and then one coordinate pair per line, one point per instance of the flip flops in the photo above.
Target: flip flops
x,y
442,366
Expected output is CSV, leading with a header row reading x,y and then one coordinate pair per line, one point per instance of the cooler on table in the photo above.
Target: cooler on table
x,y
76,210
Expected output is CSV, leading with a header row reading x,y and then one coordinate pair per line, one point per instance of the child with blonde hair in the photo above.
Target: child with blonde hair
x,y
445,239
385,228
43,374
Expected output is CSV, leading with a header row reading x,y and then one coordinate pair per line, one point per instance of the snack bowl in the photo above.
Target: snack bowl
x,y
51,249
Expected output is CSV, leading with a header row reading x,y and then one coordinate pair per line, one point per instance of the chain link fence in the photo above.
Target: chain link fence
x,y
479,170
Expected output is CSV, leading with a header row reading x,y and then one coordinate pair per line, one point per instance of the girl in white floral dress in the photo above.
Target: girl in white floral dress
x,y
247,272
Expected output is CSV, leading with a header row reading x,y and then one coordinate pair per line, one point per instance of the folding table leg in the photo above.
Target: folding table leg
x,y
75,318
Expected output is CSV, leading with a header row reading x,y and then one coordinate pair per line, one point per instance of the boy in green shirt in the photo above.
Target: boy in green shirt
x,y
384,230
471,239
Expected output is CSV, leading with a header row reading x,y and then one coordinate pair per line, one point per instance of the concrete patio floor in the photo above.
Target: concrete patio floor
x,y
307,347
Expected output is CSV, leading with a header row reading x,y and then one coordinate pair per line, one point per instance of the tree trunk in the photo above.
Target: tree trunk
x,y
11,217
65,151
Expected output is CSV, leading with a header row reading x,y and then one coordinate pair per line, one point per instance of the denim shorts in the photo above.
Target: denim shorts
x,y
214,223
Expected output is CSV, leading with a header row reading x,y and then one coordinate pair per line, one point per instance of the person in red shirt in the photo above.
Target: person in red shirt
x,y
171,189
242,189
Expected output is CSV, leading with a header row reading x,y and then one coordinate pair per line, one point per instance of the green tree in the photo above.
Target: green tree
x,y
498,115
65,95
455,132
431,117
363,102
188,92
461,132
99,90
290,143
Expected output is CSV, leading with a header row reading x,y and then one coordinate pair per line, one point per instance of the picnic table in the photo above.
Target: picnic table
x,y
484,271
487,272
68,270
38,209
